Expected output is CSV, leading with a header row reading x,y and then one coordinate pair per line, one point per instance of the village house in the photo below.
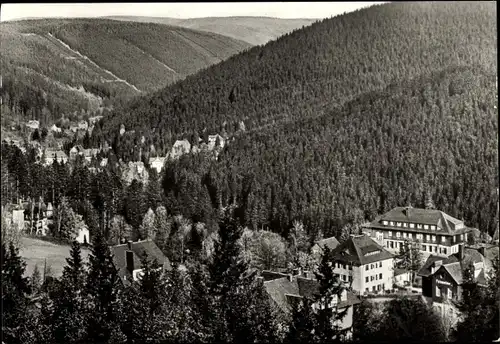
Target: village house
x,y
157,163
83,235
215,141
83,125
88,154
402,277
285,289
431,230
127,258
75,151
317,249
364,263
33,124
55,155
54,128
179,148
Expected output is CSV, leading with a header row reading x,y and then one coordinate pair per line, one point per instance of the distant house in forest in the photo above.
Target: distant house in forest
x,y
55,155
33,124
179,148
83,236
157,163
54,128
75,151
88,154
83,125
215,141
127,258
317,249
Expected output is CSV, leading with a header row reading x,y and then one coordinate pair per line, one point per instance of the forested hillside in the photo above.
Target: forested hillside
x,y
53,67
253,30
384,106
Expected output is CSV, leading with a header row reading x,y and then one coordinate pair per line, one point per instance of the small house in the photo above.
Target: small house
x,y
127,258
83,235
402,277
317,249
157,163
179,148
75,151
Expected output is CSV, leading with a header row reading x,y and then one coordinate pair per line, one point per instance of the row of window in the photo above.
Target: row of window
x,y
373,278
448,295
409,225
373,266
343,266
441,250
419,236
376,288
345,278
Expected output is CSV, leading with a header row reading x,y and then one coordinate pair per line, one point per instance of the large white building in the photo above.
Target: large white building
x,y
363,263
434,231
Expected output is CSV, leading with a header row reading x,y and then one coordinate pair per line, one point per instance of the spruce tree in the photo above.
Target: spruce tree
x,y
302,326
70,300
102,287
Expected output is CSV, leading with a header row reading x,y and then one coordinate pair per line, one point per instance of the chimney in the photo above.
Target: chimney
x,y
129,244
461,252
130,260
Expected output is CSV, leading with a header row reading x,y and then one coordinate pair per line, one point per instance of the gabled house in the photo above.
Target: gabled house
x,y
127,258
442,277
215,141
317,249
75,151
33,124
157,163
54,128
55,155
284,290
364,263
179,148
433,231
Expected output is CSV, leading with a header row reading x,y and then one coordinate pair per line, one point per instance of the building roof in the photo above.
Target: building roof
x,y
331,243
285,290
138,248
453,265
400,271
56,154
444,223
268,275
361,250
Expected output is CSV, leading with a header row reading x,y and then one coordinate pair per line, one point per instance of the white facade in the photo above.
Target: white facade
x,y
83,235
371,277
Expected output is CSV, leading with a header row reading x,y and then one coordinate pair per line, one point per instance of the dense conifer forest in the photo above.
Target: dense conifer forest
x,y
385,106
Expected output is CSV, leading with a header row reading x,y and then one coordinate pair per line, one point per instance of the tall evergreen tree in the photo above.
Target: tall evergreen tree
x,y
102,288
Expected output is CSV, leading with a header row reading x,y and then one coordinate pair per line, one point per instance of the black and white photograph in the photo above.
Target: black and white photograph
x,y
249,172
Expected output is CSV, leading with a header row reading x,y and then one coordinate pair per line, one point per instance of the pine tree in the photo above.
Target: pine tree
x,y
15,291
303,324
102,288
69,303
330,290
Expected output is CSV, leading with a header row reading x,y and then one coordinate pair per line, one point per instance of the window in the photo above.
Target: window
x,y
366,280
371,278
367,267
392,223
438,292
434,238
398,224
419,226
424,248
344,266
350,267
450,294
367,289
412,225
380,264
384,223
390,233
378,287
344,278
404,234
376,277
443,239
380,276
374,288
435,249
405,224
427,237
433,227
398,234
461,237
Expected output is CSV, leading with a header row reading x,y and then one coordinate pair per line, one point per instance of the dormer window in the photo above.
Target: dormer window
x,y
398,224
405,224
412,225
385,223
426,226
392,223
419,226
433,227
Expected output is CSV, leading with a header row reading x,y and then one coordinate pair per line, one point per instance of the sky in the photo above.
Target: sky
x,y
315,10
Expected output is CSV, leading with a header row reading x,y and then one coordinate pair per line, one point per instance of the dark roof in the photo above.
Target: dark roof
x,y
271,275
284,292
138,249
400,271
445,223
332,243
452,264
360,250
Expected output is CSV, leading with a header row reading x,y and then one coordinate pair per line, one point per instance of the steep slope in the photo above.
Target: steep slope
x,y
253,30
326,64
106,58
346,118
